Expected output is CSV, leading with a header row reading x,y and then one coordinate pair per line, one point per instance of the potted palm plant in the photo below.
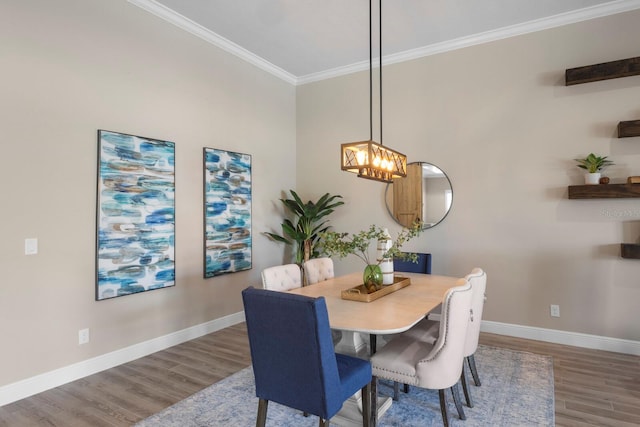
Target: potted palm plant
x,y
593,165
309,221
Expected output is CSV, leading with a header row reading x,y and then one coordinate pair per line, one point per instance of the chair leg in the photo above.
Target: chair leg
x,y
443,408
374,401
396,391
366,405
465,387
474,371
262,412
323,423
406,388
456,399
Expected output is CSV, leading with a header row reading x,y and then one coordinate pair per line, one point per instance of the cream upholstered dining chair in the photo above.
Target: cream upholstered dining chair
x,y
435,365
317,270
478,280
428,330
282,277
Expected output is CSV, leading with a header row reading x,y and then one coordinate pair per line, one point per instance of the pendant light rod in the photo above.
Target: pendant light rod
x,y
380,63
371,67
370,75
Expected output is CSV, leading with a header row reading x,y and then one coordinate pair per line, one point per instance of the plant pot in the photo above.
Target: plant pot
x,y
592,178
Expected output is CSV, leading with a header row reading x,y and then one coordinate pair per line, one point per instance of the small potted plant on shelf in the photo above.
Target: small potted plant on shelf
x,y
343,244
593,165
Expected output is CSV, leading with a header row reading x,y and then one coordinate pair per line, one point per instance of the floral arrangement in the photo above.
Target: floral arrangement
x,y
342,244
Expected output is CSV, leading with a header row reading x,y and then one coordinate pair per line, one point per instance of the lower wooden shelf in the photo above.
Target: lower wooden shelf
x,y
604,191
630,250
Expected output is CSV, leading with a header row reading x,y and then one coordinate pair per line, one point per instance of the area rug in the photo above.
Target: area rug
x,y
516,390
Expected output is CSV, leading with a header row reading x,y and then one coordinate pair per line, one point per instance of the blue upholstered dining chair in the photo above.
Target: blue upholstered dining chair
x,y
294,363
422,266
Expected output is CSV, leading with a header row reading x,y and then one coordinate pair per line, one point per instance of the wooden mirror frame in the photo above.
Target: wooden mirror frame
x,y
412,190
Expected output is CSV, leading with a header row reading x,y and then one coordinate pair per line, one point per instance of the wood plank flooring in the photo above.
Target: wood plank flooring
x,y
592,388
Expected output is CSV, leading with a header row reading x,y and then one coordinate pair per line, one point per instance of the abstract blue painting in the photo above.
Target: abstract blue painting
x,y
227,212
135,245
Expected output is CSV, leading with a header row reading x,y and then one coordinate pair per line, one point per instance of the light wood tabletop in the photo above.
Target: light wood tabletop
x,y
390,314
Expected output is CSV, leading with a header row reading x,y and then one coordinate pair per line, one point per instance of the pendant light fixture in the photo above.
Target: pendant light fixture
x,y
369,159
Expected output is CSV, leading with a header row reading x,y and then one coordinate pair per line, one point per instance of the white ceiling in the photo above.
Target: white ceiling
x,y
306,40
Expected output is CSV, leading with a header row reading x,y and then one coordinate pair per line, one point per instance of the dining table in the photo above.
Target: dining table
x,y
392,313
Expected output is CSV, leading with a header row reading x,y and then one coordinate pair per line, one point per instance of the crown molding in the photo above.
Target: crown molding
x,y
198,30
593,12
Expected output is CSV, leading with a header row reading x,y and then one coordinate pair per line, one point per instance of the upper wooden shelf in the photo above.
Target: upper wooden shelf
x,y
604,191
606,70
629,128
630,250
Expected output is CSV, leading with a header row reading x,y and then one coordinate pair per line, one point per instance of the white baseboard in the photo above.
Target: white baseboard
x,y
563,337
30,386
48,380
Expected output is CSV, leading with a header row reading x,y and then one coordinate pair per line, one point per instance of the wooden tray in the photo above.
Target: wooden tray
x,y
359,293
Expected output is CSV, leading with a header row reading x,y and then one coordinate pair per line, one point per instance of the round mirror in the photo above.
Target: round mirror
x,y
424,194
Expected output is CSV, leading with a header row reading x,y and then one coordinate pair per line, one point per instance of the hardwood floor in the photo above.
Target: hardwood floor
x,y
592,388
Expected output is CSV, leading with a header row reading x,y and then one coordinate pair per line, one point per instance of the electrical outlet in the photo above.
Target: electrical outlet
x,y
30,246
555,310
83,336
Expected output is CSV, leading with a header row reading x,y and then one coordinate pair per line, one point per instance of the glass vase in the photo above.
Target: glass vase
x,y
372,277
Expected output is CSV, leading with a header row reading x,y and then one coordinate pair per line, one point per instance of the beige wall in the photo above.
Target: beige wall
x,y
499,121
74,66
71,67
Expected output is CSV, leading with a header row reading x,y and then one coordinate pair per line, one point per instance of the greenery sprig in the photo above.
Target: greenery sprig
x,y
343,244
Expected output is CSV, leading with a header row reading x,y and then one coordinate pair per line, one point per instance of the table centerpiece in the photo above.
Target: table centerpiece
x,y
343,244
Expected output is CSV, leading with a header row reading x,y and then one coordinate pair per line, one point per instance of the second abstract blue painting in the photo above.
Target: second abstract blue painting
x,y
227,212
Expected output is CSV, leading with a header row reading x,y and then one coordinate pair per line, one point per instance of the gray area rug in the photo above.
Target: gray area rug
x,y
517,390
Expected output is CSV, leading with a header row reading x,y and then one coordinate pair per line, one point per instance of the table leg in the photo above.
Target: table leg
x,y
351,343
373,339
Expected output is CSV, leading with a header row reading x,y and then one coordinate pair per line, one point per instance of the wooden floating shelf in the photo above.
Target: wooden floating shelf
x,y
629,129
606,70
630,250
604,191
